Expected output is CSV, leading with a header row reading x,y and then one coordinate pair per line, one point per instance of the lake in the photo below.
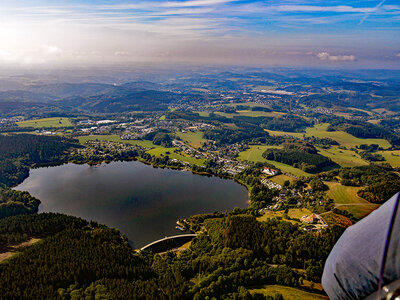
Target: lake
x,y
142,201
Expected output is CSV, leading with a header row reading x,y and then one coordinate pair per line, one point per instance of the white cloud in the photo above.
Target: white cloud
x,y
51,50
328,56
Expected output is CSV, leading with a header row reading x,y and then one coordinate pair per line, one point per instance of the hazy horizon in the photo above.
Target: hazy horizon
x,y
84,33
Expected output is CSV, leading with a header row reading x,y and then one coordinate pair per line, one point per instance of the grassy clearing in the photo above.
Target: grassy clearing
x,y
344,194
288,293
294,213
194,139
162,118
392,157
347,199
46,123
254,153
280,179
202,113
344,158
343,138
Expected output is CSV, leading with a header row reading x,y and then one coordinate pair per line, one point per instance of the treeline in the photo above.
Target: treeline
x,y
300,155
16,202
226,136
289,123
20,151
20,228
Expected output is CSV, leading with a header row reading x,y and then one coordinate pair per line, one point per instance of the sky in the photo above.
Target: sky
x,y
331,34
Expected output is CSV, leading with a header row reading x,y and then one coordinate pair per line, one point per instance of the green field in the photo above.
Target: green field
x,y
344,158
392,157
254,153
294,213
288,293
194,139
343,138
344,194
347,199
46,123
280,179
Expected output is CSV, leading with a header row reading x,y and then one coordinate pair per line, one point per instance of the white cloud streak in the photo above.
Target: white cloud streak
x,y
328,56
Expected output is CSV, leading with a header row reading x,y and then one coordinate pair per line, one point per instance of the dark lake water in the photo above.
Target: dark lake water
x,y
142,201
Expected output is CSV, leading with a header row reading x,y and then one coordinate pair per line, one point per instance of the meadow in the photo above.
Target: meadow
x,y
46,123
194,139
287,292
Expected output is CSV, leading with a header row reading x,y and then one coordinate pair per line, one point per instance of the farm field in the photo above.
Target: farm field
x,y
344,158
343,138
346,198
287,292
194,139
392,157
254,153
46,123
280,179
344,194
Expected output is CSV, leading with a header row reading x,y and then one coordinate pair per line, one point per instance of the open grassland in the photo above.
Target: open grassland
x,y
288,169
346,198
194,139
343,138
294,213
46,123
342,194
250,104
280,179
254,153
288,293
392,157
344,158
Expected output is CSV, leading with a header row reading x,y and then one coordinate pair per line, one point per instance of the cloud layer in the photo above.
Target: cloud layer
x,y
200,31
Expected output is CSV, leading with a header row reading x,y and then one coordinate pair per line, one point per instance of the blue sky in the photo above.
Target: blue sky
x,y
350,34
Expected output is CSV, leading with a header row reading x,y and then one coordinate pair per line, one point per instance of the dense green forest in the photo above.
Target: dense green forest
x,y
79,259
19,152
300,155
16,202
